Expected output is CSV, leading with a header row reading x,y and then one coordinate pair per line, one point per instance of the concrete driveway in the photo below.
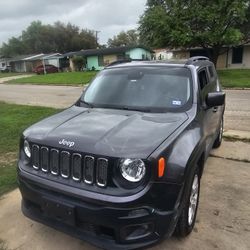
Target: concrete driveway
x,y
9,78
237,115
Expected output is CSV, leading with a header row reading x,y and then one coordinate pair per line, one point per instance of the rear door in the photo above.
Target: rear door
x,y
209,117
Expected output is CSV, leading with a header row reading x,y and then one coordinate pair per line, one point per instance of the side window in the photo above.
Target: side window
x,y
202,75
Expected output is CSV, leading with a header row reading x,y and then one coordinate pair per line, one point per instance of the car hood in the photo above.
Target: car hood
x,y
106,132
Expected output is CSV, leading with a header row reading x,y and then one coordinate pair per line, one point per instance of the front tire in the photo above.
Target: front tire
x,y
187,217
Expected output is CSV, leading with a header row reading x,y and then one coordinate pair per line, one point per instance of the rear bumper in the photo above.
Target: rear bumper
x,y
108,227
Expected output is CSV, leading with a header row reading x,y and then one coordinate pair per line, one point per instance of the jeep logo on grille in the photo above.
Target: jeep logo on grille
x,y
66,143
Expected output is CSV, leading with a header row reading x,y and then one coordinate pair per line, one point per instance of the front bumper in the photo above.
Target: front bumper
x,y
106,226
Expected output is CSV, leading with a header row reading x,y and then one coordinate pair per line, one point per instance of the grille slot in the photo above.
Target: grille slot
x,y
89,163
35,157
102,172
74,166
54,161
65,164
45,159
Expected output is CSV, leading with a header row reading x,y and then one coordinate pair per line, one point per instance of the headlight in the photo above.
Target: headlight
x,y
26,148
132,169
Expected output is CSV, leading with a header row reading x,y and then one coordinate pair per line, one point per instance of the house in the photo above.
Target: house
x,y
27,63
4,63
233,57
162,54
97,59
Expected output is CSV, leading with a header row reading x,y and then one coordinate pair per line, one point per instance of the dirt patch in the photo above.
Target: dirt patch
x,y
3,245
7,158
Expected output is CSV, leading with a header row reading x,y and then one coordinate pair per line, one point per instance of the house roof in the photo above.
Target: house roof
x,y
105,51
20,58
35,57
200,48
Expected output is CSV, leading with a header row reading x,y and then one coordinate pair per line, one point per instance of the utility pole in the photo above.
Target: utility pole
x,y
96,37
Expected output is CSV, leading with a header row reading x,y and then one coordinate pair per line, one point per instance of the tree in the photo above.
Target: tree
x,y
195,23
129,38
14,46
40,38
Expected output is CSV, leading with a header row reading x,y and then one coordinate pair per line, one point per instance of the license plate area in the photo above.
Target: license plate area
x,y
59,211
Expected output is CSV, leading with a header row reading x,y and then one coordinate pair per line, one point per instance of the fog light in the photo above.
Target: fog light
x,y
134,232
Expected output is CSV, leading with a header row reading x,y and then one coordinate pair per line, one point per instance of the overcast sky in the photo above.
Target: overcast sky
x,y
108,16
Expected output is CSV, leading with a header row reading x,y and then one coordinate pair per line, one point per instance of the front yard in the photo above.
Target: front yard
x,y
65,78
2,75
235,78
14,119
230,78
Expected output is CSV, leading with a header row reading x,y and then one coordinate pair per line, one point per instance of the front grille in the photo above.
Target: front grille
x,y
88,169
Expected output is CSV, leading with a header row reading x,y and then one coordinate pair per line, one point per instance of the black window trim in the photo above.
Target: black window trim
x,y
207,75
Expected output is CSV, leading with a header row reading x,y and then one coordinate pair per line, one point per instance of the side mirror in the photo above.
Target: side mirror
x,y
214,99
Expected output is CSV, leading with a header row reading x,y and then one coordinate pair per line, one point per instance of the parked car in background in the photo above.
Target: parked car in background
x,y
48,68
5,69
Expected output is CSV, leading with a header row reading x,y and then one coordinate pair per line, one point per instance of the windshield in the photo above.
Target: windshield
x,y
140,88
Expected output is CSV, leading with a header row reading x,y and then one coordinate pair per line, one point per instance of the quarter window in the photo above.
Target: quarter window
x,y
211,71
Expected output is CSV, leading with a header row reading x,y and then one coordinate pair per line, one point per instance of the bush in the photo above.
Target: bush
x,y
79,62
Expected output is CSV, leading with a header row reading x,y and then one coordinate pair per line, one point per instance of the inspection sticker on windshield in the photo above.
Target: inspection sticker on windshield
x,y
175,102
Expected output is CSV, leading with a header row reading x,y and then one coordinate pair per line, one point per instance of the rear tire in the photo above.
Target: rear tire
x,y
187,217
218,139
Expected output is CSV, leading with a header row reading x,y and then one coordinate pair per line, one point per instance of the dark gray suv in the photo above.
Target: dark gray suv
x,y
121,168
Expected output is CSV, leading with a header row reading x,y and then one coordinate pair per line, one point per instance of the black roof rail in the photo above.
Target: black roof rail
x,y
196,59
128,60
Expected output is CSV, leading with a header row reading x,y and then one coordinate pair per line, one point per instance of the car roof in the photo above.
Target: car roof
x,y
197,61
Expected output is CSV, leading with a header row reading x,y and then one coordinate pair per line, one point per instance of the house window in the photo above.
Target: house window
x,y
3,64
237,55
100,61
120,56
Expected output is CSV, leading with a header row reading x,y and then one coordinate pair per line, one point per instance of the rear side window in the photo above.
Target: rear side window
x,y
211,71
203,78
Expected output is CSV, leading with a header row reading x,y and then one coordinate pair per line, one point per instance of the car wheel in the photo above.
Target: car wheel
x,y
187,217
218,139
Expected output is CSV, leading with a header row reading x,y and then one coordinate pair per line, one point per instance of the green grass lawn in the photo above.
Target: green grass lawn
x,y
232,78
229,78
13,120
9,74
65,78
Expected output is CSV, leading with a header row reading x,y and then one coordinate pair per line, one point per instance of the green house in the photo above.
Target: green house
x,y
97,59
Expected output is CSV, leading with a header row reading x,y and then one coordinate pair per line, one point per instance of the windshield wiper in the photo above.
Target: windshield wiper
x,y
87,104
136,109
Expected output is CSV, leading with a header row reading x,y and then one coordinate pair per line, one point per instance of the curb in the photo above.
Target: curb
x,y
236,88
236,135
